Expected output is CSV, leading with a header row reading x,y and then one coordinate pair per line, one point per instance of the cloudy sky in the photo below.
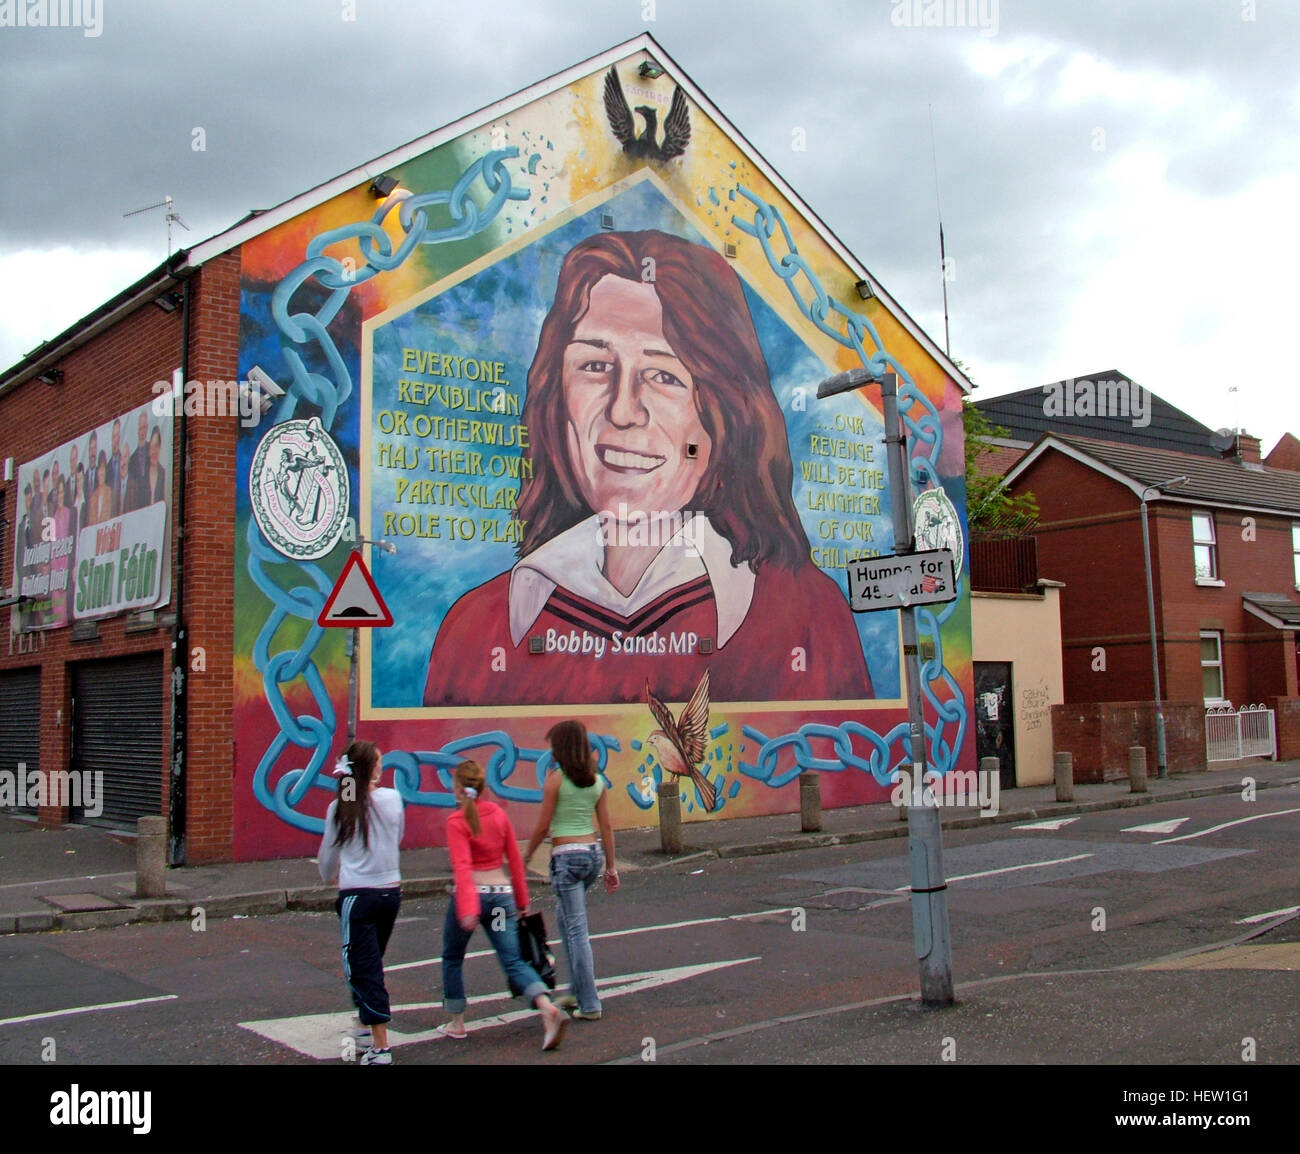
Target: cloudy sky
x,y
1119,178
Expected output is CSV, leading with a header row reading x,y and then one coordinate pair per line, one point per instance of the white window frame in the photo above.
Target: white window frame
x,y
1212,577
1217,636
1295,551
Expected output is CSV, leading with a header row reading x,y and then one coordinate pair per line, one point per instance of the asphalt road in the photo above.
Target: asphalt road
x,y
1064,944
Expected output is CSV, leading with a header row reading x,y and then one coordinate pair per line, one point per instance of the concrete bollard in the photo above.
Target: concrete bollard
x,y
670,817
990,770
151,857
1063,766
810,802
1137,769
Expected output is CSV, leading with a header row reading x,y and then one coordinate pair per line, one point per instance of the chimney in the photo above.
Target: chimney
x,y
1245,449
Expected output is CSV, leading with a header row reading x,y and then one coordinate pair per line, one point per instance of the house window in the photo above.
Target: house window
x,y
1212,665
1207,567
1295,553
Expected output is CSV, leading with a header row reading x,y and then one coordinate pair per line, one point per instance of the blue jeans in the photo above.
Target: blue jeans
x,y
497,915
572,875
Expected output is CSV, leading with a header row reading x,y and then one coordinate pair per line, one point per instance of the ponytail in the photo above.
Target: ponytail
x,y
353,769
471,779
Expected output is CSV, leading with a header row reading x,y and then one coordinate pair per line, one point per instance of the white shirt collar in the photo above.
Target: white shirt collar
x,y
575,558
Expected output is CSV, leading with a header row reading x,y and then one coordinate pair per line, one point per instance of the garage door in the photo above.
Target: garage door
x,y
117,729
20,725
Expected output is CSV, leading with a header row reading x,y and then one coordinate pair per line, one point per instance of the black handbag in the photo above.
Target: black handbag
x,y
534,950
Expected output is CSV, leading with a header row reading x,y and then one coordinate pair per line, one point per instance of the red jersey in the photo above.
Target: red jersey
x,y
798,642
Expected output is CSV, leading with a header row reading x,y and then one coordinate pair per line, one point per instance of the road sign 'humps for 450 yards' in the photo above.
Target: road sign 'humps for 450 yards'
x,y
902,581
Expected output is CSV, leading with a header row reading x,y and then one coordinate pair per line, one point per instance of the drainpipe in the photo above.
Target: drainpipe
x,y
180,633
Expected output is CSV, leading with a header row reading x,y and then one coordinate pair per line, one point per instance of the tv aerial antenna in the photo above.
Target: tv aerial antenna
x,y
171,215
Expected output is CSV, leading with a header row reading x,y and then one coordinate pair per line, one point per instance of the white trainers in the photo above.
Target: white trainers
x,y
374,1057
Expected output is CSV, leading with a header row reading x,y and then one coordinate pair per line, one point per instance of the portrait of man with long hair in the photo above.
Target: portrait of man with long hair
x,y
658,533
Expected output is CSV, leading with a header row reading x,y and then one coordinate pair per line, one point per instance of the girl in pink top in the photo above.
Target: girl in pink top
x,y
480,840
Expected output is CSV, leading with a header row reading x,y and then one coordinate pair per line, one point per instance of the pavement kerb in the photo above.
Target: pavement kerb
x,y
321,898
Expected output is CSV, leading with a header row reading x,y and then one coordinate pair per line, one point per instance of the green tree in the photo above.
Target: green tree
x,y
990,509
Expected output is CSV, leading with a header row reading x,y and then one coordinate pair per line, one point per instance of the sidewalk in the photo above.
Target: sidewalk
x,y
82,878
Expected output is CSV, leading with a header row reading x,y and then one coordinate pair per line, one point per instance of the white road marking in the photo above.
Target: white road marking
x,y
1226,825
320,1036
1250,921
1033,865
87,1009
1158,826
610,934
1052,824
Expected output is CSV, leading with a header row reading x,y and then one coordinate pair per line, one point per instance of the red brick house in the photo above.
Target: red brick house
x,y
1225,558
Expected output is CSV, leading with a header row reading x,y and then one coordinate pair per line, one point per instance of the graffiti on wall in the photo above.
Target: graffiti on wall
x,y
583,409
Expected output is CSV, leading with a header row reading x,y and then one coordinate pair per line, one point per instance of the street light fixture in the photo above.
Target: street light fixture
x,y
1172,483
354,644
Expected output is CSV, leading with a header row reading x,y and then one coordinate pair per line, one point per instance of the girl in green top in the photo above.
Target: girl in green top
x,y
573,802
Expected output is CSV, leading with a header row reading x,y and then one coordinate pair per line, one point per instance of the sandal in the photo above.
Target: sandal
x,y
555,1031
446,1032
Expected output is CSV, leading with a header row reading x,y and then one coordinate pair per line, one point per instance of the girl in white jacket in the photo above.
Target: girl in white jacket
x,y
363,830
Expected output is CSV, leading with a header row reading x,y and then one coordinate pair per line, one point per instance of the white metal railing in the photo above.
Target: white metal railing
x,y
1231,734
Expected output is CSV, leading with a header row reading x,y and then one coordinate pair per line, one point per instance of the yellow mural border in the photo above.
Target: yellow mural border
x,y
811,336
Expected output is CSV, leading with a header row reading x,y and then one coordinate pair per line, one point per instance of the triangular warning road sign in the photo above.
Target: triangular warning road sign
x,y
354,602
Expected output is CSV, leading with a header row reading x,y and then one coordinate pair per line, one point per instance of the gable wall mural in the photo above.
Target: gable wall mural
x,y
568,369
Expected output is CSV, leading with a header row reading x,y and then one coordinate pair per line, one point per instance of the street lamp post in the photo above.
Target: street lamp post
x,y
354,644
1161,760
924,833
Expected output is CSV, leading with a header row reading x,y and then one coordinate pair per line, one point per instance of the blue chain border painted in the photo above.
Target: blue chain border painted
x,y
926,443
305,601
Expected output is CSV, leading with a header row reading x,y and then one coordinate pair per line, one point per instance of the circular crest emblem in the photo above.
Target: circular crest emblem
x,y
298,486
938,525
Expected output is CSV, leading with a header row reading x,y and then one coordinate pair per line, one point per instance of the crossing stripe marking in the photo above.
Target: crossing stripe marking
x,y
320,1036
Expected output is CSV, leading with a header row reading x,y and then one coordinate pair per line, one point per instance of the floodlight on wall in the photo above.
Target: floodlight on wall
x,y
650,70
381,186
51,377
168,302
865,291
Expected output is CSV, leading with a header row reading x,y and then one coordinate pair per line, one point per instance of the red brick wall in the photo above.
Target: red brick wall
x,y
107,376
101,380
1099,734
1251,558
1286,717
1090,537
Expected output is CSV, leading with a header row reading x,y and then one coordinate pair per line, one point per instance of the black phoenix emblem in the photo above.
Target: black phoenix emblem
x,y
677,124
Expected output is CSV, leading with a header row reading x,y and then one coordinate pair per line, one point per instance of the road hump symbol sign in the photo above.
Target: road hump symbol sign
x,y
354,602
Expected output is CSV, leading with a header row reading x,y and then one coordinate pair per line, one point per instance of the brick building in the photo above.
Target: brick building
x,y
403,316
1225,559
94,695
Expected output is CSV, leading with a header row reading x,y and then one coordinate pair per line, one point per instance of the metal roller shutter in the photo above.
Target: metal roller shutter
x,y
20,724
117,714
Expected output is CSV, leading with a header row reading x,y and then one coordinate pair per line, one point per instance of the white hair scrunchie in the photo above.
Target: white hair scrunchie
x,y
343,767
471,792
